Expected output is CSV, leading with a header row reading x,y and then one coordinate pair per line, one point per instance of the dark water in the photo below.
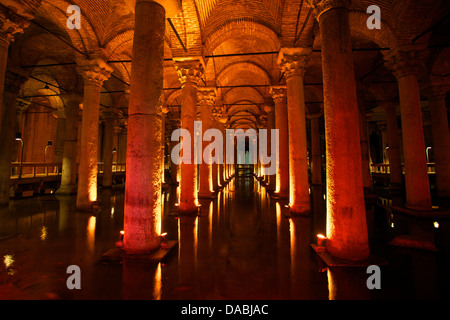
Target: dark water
x,y
243,245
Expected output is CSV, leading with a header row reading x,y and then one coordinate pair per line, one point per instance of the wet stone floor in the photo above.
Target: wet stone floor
x,y
243,245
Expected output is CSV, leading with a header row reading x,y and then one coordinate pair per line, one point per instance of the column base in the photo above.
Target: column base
x,y
277,195
332,261
87,207
409,241
302,210
67,190
207,195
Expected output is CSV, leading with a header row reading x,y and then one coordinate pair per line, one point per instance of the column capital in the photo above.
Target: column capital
x,y
94,71
437,88
403,63
22,105
190,70
11,23
293,61
206,96
278,93
321,6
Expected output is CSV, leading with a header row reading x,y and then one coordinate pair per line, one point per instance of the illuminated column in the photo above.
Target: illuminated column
x,y
174,124
108,134
206,99
346,214
94,72
395,164
404,65
69,158
441,138
316,154
221,126
293,62
142,214
270,110
165,110
281,123
13,82
189,73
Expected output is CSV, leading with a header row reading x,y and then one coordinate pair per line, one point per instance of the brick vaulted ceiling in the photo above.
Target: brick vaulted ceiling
x,y
217,29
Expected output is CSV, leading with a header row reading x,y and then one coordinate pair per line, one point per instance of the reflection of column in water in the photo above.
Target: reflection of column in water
x,y
187,249
283,247
301,266
348,284
64,208
141,280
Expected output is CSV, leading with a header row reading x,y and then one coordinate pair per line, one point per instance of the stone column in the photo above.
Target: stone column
x,y
346,215
69,157
281,123
142,215
293,62
395,164
174,124
13,82
221,120
108,135
441,138
94,72
315,154
404,65
189,72
164,111
270,111
206,100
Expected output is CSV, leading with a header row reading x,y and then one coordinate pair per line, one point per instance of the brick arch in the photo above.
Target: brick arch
x,y
383,38
239,28
84,39
231,72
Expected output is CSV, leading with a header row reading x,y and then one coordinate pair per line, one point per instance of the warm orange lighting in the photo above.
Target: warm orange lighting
x,y
122,232
321,240
91,232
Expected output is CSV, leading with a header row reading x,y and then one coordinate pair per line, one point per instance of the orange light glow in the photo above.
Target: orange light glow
x,y
122,232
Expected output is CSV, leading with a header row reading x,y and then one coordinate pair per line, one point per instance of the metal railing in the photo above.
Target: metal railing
x,y
46,169
34,169
383,168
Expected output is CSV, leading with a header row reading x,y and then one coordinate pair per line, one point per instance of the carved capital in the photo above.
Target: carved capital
x,y
293,61
206,96
189,70
404,63
321,6
278,93
10,24
94,71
